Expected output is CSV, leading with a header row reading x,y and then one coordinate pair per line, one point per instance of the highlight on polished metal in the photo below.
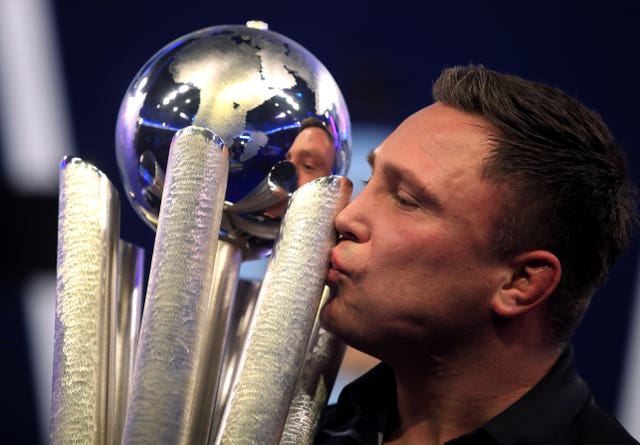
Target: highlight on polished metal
x,y
129,285
201,142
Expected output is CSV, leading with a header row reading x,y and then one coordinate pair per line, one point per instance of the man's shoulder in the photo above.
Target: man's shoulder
x,y
596,426
364,408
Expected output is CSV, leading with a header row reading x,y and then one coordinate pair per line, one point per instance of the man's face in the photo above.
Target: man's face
x,y
312,153
413,272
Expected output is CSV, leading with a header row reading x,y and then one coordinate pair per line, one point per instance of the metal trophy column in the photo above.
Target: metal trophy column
x,y
88,228
171,360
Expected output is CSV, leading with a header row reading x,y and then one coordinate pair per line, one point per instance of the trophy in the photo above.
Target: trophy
x,y
202,138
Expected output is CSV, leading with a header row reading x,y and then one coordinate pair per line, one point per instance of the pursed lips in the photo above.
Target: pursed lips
x,y
335,266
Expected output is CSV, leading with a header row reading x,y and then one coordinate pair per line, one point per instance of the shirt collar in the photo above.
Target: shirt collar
x,y
367,407
544,409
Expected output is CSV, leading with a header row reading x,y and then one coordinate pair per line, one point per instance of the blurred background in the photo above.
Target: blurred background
x,y
65,66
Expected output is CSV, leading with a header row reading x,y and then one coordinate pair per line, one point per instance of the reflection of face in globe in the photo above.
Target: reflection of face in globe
x,y
252,87
313,155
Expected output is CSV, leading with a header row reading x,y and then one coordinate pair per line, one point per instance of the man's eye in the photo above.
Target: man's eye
x,y
404,200
365,181
309,167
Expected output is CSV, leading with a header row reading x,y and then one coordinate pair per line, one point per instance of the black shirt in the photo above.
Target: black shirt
x,y
558,410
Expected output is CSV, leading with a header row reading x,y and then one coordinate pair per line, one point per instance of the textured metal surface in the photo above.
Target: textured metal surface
x,y
284,315
162,402
319,371
129,289
88,228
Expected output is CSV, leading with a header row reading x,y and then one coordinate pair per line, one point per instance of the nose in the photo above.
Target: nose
x,y
352,221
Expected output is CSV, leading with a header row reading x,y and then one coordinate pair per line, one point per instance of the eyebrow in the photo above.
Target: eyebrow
x,y
307,153
412,179
371,157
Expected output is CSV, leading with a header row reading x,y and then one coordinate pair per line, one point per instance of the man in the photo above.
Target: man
x,y
490,219
312,153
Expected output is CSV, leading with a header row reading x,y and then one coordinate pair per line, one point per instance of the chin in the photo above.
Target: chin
x,y
332,319
326,318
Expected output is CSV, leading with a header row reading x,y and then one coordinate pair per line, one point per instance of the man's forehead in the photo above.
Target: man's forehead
x,y
429,154
440,129
310,152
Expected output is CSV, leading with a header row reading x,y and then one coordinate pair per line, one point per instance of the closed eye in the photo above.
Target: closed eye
x,y
309,167
404,200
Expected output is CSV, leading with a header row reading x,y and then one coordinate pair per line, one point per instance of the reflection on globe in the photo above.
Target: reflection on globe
x,y
249,85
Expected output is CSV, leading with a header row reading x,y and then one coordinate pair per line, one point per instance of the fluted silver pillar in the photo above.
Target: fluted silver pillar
x,y
315,382
163,407
284,315
128,312
88,229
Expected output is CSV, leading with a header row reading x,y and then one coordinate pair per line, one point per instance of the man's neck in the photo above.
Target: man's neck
x,y
446,400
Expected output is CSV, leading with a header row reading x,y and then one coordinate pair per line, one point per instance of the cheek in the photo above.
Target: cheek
x,y
401,248
304,177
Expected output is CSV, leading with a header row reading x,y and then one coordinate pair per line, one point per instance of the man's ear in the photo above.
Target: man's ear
x,y
534,277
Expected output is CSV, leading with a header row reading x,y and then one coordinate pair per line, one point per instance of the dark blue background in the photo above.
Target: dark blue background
x,y
384,58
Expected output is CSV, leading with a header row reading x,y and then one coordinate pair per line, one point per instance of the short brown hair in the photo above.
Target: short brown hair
x,y
312,122
564,176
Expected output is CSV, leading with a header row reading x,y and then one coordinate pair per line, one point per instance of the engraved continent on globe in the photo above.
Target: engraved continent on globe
x,y
250,86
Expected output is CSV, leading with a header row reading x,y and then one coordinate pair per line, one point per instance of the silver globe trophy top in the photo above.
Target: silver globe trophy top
x,y
252,87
